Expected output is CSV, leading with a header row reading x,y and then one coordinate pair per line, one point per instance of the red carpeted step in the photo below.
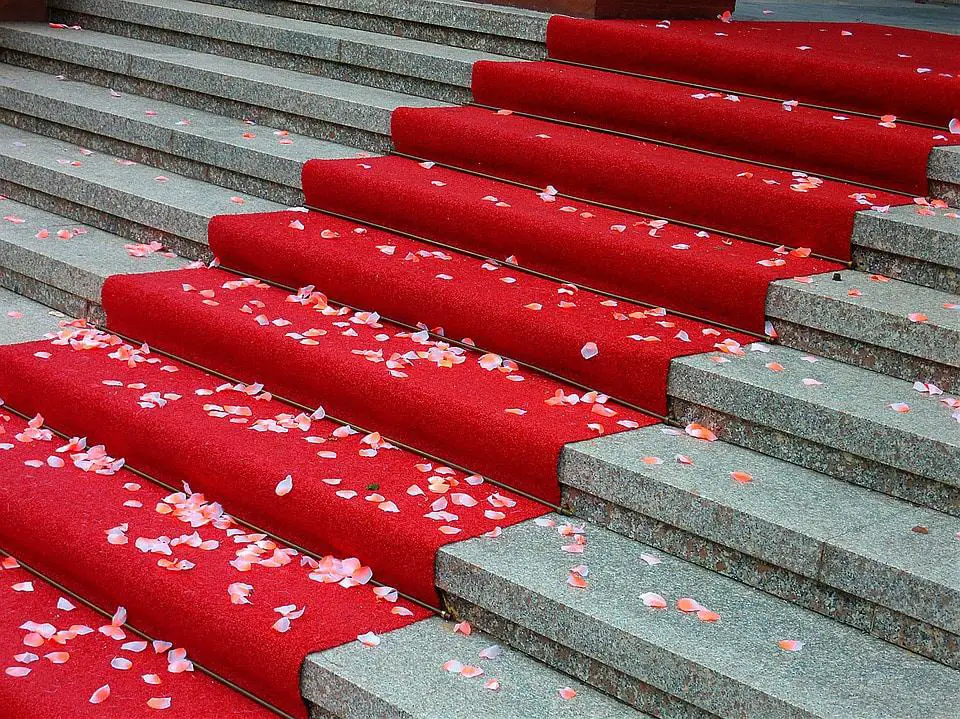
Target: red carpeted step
x,y
497,420
495,306
710,276
183,570
850,66
55,660
726,195
351,495
849,147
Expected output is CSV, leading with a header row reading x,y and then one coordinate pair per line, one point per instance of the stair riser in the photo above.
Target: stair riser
x,y
374,141
425,31
908,269
233,164
944,173
454,91
887,624
837,463
66,302
866,355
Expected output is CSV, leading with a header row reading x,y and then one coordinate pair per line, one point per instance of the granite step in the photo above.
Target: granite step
x,y
914,244
231,153
355,56
880,564
866,428
888,326
63,264
510,31
343,112
122,197
404,677
725,662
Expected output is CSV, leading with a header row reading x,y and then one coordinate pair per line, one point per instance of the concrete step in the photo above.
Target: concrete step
x,y
404,677
66,271
671,661
354,115
866,428
346,54
231,153
477,26
846,552
137,202
920,248
888,326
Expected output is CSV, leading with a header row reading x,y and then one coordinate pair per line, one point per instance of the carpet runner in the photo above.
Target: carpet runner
x,y
548,324
59,656
493,418
728,196
248,608
857,149
701,235
708,275
850,66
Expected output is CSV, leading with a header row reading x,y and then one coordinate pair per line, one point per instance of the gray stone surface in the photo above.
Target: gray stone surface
x,y
339,103
923,249
23,320
487,28
871,327
899,13
787,516
849,410
77,265
201,137
386,61
943,169
732,667
176,205
402,677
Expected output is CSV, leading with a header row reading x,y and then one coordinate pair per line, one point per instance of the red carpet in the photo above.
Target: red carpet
x,y
221,456
857,67
712,277
502,310
726,195
415,390
852,148
118,540
74,662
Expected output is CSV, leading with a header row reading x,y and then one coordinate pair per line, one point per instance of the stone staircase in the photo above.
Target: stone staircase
x,y
840,532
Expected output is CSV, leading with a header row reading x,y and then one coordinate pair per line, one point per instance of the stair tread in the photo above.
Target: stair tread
x,y
179,205
353,105
432,61
23,320
403,676
848,537
879,314
850,410
166,127
729,667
